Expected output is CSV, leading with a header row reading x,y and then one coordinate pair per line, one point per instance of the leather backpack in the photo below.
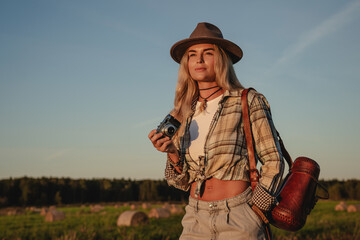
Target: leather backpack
x,y
298,190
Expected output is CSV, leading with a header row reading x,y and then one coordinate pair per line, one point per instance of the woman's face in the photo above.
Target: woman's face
x,y
201,62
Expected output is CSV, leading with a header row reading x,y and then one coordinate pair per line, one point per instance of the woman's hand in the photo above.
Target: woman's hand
x,y
165,144
162,144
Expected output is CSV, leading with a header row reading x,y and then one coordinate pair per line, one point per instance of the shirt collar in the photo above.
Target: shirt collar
x,y
231,93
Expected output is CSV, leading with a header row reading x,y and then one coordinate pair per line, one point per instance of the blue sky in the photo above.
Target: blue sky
x,y
83,82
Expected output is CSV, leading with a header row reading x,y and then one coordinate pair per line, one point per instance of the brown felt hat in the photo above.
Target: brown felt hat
x,y
206,33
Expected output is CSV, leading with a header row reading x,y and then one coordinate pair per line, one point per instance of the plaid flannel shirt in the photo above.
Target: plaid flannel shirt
x,y
225,149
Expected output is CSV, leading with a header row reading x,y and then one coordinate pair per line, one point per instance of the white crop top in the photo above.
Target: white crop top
x,y
199,127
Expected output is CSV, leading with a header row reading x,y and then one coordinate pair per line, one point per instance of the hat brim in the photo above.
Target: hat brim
x,y
178,49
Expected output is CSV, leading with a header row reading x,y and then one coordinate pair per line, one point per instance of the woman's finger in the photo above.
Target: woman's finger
x,y
159,142
152,133
156,137
165,144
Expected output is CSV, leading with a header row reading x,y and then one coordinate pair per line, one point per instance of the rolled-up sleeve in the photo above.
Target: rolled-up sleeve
x,y
268,152
173,177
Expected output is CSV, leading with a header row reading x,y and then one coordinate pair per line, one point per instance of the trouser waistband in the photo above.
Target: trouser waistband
x,y
221,204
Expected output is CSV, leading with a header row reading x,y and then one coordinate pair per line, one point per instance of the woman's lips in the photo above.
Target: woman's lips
x,y
200,69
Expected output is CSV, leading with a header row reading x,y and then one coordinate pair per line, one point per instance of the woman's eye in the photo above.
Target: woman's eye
x,y
209,53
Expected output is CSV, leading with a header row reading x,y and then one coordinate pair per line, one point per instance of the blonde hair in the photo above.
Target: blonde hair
x,y
187,92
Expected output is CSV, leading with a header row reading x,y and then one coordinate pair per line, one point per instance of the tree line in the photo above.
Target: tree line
x,y
43,191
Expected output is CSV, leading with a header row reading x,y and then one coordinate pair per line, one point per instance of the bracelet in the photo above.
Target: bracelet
x,y
175,165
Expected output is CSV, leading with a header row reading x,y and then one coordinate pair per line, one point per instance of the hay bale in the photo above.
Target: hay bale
x,y
15,211
146,205
159,213
167,206
34,209
54,215
353,208
43,211
132,218
175,209
96,208
341,206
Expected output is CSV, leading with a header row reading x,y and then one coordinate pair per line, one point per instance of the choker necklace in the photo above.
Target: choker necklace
x,y
204,103
208,88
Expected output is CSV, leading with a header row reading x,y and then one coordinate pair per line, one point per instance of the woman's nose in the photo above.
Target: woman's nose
x,y
200,59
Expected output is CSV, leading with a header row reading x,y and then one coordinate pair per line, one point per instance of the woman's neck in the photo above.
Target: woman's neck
x,y
207,89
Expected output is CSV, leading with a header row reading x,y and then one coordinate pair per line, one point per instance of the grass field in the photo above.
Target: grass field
x,y
81,223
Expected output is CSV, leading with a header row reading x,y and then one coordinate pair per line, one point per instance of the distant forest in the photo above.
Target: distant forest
x,y
43,191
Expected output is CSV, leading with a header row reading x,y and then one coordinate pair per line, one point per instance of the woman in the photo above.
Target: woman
x,y
208,155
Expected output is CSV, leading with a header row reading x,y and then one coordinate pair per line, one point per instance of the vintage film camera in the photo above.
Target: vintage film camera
x,y
168,126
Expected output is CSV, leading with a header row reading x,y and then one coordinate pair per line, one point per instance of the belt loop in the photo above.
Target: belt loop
x,y
227,211
197,206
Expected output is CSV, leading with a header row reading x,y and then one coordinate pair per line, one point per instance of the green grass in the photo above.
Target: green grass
x,y
326,223
80,223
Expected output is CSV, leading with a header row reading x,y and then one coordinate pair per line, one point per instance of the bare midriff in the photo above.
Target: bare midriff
x,y
214,189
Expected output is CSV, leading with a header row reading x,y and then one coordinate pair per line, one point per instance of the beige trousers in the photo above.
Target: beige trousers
x,y
227,219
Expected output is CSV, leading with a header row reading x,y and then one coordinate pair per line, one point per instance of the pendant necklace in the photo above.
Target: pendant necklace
x,y
204,103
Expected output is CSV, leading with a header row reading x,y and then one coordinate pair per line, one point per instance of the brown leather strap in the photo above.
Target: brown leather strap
x,y
268,234
260,214
254,173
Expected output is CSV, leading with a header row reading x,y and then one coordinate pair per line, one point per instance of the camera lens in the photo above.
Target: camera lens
x,y
168,126
171,131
